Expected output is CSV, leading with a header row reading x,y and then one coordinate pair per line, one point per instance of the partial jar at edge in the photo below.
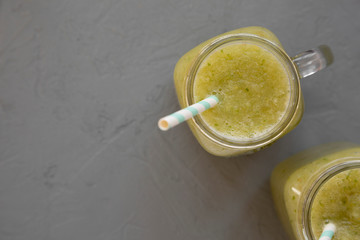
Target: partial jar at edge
x,y
184,73
297,182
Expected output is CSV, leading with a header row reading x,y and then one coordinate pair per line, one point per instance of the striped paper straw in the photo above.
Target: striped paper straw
x,y
328,232
178,117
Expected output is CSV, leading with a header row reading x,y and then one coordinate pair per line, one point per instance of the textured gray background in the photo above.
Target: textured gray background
x,y
82,85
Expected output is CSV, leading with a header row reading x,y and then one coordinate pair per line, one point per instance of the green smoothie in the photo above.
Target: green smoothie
x,y
252,86
243,70
338,202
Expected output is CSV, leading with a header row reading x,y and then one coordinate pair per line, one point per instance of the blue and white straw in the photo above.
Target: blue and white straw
x,y
178,117
328,232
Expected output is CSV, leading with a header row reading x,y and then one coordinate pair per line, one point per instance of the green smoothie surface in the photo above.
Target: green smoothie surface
x,y
338,202
252,86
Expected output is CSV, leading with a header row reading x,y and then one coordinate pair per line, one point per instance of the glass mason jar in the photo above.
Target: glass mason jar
x,y
298,181
302,65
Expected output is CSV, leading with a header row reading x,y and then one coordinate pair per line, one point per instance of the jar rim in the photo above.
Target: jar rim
x,y
294,100
326,174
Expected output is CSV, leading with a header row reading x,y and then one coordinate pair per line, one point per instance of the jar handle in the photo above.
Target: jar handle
x,y
313,60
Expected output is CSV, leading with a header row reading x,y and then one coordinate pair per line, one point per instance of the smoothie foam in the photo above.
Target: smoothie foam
x,y
338,202
252,86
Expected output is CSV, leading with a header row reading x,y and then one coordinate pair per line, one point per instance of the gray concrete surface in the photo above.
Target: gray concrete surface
x,y
82,85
